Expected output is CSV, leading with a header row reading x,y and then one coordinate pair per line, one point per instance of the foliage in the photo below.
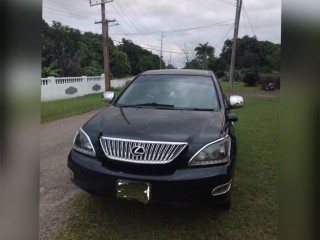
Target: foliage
x,y
119,62
92,69
146,63
51,70
204,52
251,78
262,56
274,60
269,79
217,64
170,66
252,53
140,59
220,73
77,53
248,53
193,64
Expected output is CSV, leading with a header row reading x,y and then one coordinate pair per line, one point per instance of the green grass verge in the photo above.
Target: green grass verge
x,y
238,86
54,110
253,215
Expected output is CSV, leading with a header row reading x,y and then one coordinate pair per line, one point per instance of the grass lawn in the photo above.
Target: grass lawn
x,y
54,110
239,86
254,211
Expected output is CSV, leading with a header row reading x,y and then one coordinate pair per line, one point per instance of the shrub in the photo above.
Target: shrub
x,y
269,81
250,79
264,69
220,74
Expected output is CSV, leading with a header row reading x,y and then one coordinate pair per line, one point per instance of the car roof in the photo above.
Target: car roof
x,y
189,72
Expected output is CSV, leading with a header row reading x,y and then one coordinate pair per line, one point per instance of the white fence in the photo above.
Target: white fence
x,y
69,87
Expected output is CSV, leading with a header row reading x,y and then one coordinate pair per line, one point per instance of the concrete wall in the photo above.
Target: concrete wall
x,y
70,87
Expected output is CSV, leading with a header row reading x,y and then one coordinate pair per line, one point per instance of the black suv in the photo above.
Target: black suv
x,y
168,137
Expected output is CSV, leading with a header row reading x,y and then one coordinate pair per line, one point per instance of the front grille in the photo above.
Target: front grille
x,y
137,151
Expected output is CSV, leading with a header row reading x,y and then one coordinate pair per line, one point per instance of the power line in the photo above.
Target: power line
x,y
225,36
129,23
145,14
253,31
149,47
245,23
183,29
130,19
130,14
67,6
228,2
64,14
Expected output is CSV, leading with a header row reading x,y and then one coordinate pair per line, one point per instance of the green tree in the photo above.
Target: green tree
x,y
119,63
251,53
51,70
147,62
134,53
274,60
140,59
203,53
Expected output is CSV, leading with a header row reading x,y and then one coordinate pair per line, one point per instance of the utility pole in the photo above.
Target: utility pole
x,y
104,42
234,44
161,49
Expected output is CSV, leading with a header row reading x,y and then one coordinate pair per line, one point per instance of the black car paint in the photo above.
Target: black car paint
x,y
171,182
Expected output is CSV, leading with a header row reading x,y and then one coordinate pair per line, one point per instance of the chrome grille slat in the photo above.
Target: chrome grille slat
x,y
170,151
154,152
164,152
159,152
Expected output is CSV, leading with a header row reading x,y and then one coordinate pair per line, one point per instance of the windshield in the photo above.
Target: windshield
x,y
171,91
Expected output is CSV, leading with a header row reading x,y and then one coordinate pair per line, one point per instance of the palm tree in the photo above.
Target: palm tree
x,y
203,52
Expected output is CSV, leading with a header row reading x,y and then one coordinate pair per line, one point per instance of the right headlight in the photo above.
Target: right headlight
x,y
213,153
82,143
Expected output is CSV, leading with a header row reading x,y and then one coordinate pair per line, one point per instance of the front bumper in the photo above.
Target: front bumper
x,y
183,185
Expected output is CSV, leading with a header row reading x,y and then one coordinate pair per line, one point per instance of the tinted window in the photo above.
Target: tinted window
x,y
183,92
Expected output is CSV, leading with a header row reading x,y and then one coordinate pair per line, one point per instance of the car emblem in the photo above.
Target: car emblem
x,y
137,151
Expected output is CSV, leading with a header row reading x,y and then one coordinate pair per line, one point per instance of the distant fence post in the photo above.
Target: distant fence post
x,y
52,84
103,82
84,78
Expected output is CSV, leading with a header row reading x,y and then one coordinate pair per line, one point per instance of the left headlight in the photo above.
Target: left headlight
x,y
213,153
82,143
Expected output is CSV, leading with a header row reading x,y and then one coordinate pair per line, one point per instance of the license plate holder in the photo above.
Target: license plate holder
x,y
132,190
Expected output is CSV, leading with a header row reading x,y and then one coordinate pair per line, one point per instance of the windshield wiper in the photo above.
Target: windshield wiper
x,y
156,105
197,109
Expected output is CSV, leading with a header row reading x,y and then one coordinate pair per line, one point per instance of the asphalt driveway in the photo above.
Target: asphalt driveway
x,y
55,187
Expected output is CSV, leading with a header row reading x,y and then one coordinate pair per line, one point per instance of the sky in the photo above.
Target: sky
x,y
184,24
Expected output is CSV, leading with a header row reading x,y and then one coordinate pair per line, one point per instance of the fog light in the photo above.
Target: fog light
x,y
221,189
71,173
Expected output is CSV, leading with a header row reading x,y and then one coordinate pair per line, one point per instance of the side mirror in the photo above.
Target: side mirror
x,y
231,117
108,97
236,101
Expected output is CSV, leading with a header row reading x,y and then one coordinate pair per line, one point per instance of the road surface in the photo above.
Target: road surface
x,y
55,187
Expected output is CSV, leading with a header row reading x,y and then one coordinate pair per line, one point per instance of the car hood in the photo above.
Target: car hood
x,y
194,127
